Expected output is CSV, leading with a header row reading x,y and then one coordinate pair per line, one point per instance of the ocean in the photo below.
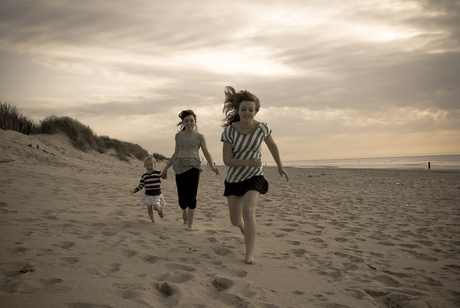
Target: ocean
x,y
436,162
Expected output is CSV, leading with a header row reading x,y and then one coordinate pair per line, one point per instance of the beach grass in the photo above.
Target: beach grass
x,y
81,135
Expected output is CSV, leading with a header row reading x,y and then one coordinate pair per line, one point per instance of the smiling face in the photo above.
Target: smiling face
x,y
247,111
189,122
149,165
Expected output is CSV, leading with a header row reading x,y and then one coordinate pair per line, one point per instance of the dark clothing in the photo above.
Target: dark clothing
x,y
187,188
240,188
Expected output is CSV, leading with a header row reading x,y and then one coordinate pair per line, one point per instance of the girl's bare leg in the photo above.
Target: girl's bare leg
x,y
150,210
250,200
235,207
191,216
159,210
185,216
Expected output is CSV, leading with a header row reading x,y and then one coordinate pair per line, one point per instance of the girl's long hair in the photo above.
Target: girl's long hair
x,y
182,115
232,104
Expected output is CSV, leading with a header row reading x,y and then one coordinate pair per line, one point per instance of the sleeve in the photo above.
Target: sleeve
x,y
226,135
266,129
140,186
176,137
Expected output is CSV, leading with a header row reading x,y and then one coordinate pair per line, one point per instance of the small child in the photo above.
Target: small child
x,y
151,180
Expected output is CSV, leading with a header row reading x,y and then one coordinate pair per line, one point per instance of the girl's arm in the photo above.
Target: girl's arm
x,y
227,155
164,174
270,142
208,156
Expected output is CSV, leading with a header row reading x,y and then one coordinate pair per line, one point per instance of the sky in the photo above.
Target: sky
x,y
336,79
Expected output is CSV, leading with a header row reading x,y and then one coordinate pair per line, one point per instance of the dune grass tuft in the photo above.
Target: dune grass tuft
x,y
13,119
81,136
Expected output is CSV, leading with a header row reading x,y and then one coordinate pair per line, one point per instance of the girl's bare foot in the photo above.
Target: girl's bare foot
x,y
250,260
192,228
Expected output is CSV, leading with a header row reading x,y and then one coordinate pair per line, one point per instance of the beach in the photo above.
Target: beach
x,y
72,235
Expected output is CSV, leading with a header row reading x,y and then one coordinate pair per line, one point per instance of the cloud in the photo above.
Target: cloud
x,y
352,69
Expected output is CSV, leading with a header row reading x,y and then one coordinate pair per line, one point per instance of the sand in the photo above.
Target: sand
x,y
72,235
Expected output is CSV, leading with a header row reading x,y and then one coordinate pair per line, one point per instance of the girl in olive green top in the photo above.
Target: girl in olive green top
x,y
187,165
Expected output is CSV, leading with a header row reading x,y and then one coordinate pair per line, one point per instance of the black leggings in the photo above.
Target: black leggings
x,y
187,188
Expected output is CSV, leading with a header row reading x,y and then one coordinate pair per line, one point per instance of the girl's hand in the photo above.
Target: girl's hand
x,y
255,162
283,172
215,170
164,174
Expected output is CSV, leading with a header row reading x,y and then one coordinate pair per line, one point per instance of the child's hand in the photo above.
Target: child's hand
x,y
215,170
164,174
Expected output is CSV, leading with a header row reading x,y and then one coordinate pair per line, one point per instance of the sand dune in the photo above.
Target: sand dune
x,y
73,236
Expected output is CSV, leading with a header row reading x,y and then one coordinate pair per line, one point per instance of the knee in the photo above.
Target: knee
x,y
249,214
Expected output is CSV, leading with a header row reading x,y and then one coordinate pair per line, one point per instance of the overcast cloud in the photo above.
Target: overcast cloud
x,y
336,79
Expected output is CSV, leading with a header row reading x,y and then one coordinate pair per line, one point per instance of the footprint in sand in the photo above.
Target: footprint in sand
x,y
222,284
287,230
69,260
238,272
65,245
20,250
386,280
170,293
219,264
106,271
129,253
421,256
222,251
297,252
176,266
149,258
30,286
129,294
177,277
109,233
44,251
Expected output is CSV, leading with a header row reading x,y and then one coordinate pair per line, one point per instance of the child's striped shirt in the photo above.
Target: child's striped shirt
x,y
151,182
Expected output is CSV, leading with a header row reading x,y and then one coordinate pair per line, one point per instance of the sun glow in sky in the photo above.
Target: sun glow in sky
x,y
336,79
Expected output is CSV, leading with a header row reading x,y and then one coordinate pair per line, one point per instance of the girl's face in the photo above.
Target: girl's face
x,y
189,122
247,111
149,166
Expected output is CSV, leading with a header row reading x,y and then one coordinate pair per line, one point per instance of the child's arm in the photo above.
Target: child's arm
x,y
270,142
140,186
164,174
208,156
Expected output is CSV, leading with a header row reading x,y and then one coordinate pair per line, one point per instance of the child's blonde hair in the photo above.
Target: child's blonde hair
x,y
150,158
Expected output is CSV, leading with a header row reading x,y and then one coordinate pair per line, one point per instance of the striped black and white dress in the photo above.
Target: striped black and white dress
x,y
245,146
